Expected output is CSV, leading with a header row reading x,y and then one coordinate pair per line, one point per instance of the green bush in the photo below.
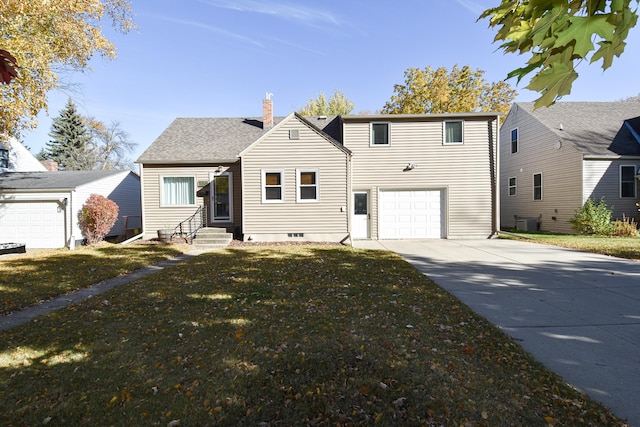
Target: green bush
x,y
593,219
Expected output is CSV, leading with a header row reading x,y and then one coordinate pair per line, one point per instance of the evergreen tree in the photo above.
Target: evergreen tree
x,y
70,143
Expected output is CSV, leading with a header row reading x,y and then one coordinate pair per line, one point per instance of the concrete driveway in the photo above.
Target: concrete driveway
x,y
577,313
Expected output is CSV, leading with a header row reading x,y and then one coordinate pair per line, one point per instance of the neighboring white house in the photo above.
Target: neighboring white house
x,y
14,157
41,208
552,160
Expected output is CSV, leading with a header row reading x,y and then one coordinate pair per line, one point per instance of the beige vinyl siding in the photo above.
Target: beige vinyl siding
x,y
561,170
463,171
273,221
158,217
602,179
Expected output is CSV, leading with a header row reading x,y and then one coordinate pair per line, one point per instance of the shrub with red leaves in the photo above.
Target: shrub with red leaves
x,y
97,217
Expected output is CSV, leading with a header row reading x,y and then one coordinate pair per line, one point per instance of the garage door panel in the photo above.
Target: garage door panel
x,y
411,214
39,225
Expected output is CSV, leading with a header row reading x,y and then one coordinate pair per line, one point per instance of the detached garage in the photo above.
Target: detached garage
x,y
411,214
40,209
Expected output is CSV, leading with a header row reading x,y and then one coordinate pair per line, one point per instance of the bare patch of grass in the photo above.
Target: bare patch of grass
x,y
30,278
283,335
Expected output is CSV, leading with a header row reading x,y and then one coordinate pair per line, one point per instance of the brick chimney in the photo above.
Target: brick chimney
x,y
51,165
267,112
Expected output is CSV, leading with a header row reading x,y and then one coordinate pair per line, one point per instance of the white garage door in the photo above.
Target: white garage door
x,y
411,214
39,225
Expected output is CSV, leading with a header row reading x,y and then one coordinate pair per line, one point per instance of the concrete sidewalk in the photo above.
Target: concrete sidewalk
x,y
577,313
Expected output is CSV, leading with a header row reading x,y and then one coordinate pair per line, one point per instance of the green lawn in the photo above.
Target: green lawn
x,y
31,278
282,335
622,247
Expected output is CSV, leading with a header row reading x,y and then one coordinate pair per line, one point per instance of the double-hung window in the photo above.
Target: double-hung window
x,y
272,186
380,134
537,186
453,132
514,141
627,181
307,185
512,186
178,191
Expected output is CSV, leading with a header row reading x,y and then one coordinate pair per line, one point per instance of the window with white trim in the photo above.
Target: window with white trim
x,y
178,191
272,186
512,186
380,134
453,131
537,186
627,181
307,180
514,141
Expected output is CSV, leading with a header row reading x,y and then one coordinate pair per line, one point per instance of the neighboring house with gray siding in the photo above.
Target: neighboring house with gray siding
x,y
552,160
327,178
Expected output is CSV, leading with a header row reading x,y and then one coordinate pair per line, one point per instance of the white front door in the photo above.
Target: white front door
x,y
221,197
360,217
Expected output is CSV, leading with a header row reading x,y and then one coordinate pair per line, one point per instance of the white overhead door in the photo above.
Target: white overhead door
x,y
38,224
411,214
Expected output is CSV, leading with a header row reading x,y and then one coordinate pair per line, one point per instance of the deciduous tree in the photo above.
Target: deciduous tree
x,y
45,37
560,34
110,144
442,91
337,105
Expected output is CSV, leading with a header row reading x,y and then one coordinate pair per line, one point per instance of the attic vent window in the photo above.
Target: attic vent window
x,y
294,134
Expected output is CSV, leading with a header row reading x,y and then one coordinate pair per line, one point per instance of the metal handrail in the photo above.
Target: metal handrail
x,y
188,228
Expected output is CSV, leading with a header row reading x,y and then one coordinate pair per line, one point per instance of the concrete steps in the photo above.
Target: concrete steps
x,y
212,238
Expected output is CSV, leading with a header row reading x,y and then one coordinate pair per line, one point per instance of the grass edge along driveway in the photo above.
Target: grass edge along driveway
x,y
285,335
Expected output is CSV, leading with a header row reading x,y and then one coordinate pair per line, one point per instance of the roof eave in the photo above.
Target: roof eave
x,y
418,117
185,162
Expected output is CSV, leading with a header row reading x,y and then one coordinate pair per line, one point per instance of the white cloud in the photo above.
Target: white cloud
x,y
305,15
225,33
473,6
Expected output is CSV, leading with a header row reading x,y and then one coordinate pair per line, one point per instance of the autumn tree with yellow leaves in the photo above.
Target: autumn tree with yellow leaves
x,y
46,37
443,91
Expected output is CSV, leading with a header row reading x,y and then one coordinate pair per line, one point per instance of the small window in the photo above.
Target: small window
x,y
453,132
627,181
272,186
307,185
178,191
294,133
537,186
4,158
514,141
380,134
512,186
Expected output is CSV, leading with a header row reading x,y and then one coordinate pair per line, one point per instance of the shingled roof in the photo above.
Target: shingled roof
x,y
593,128
62,180
204,140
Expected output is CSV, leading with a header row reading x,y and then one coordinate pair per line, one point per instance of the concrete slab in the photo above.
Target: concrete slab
x,y
577,313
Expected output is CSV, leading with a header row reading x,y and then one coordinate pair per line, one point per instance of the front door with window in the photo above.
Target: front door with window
x,y
360,218
221,197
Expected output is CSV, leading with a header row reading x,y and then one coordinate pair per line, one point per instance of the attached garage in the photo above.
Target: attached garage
x,y
411,214
39,224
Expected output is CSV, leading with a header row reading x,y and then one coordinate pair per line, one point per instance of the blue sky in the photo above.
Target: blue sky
x,y
218,58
